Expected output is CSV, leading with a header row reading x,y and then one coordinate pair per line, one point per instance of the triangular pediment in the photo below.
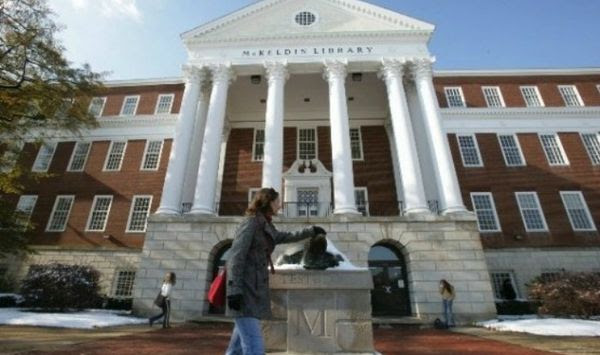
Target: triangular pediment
x,y
270,18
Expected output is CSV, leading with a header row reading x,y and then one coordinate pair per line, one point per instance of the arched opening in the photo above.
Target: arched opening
x,y
390,296
220,259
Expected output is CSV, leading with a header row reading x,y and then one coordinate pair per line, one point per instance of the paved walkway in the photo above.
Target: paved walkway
x,y
212,338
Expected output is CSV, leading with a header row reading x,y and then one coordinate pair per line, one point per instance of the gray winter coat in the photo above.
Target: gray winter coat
x,y
248,264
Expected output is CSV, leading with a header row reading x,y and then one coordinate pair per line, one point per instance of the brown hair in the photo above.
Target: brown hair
x,y
446,285
170,278
262,202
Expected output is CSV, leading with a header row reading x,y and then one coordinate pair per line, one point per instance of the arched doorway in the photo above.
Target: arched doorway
x,y
390,296
219,262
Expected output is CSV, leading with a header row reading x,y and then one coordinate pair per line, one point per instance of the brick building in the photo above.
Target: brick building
x,y
472,176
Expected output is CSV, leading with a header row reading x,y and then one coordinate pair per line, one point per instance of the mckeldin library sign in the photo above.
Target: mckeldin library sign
x,y
276,52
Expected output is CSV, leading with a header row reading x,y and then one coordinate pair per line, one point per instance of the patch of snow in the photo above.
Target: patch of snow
x,y
544,326
87,319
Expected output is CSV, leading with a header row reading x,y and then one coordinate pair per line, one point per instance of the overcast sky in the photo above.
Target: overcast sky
x,y
135,39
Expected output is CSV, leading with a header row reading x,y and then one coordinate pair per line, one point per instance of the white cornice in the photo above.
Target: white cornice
x,y
411,24
143,82
511,112
138,121
517,72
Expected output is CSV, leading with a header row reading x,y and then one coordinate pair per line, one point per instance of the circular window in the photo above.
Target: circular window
x,y
305,18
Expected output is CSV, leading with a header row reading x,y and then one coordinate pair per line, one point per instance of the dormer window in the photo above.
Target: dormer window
x,y
305,18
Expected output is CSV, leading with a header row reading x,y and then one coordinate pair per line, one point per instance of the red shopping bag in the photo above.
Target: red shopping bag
x,y
216,293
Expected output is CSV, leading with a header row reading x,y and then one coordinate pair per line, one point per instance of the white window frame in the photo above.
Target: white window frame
x,y
586,210
560,148
137,102
537,92
103,98
25,212
142,168
493,204
580,102
89,220
72,198
498,92
593,152
460,91
298,141
131,210
598,87
360,144
70,167
104,167
511,276
254,158
251,192
36,169
364,188
116,283
158,102
476,144
539,209
517,144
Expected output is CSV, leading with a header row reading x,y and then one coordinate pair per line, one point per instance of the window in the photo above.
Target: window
x,y
307,143
44,157
25,208
99,214
138,215
251,193
592,145
511,150
469,151
115,155
454,96
553,149
129,105
308,202
493,96
362,201
124,283
577,210
97,106
305,18
356,144
259,145
570,95
79,156
550,275
164,103
532,96
60,213
531,212
504,285
152,154
487,218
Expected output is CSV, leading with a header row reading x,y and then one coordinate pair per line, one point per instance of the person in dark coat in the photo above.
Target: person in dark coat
x,y
248,295
508,291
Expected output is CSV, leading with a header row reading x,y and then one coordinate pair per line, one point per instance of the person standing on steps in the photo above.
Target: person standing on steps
x,y
448,295
165,300
248,296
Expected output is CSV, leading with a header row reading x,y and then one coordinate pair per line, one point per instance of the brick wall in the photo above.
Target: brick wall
x,y
538,176
123,185
148,98
509,86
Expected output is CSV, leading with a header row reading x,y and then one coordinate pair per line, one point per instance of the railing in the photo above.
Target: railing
x,y
317,209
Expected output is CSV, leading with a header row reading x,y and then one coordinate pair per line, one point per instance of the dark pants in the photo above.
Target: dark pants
x,y
166,313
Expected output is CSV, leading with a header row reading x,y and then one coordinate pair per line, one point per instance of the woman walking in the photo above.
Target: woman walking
x,y
447,292
248,296
165,305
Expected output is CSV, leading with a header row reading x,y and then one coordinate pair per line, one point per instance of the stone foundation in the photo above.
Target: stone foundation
x,y
434,248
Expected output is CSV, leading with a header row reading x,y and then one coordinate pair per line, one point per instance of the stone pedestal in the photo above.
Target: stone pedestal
x,y
320,312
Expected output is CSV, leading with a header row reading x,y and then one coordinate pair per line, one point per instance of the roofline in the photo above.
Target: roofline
x,y
517,72
143,82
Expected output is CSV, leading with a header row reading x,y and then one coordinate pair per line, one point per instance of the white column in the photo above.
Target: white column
x,y
191,172
343,177
405,145
172,189
443,167
222,156
277,74
206,183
